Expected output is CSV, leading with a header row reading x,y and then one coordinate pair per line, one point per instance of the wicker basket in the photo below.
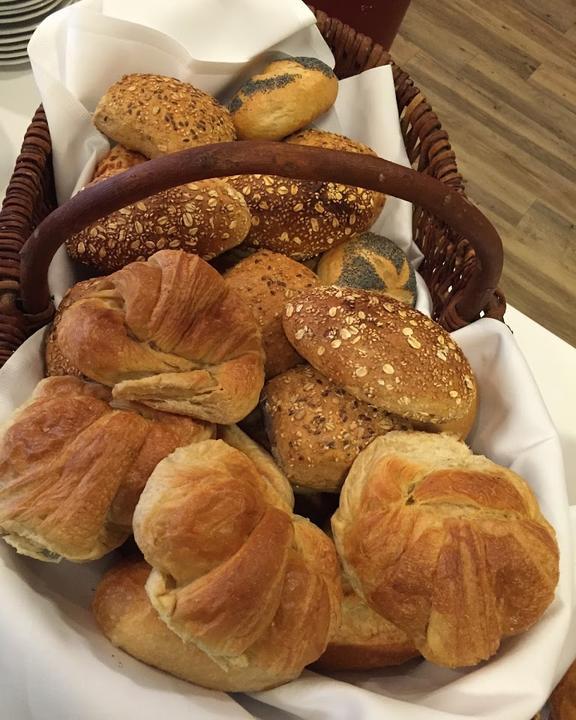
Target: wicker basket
x,y
460,272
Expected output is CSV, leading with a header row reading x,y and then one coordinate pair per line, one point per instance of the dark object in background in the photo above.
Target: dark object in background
x,y
379,19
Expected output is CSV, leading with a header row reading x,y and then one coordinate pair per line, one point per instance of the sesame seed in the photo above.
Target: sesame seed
x,y
336,343
453,393
299,307
361,371
289,310
332,312
344,334
407,331
299,334
414,343
356,339
388,369
321,350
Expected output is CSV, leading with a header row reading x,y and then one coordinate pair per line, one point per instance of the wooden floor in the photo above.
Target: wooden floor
x,y
501,74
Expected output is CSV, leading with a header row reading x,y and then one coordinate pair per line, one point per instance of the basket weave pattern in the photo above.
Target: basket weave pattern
x,y
449,260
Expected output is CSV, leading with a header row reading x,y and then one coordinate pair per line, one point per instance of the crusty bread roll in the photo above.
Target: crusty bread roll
x,y
155,115
286,96
266,281
305,218
168,333
370,262
364,640
563,699
382,352
117,160
234,571
316,429
206,218
124,613
447,545
72,468
462,427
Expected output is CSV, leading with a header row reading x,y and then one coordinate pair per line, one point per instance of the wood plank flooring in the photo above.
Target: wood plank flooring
x,y
502,77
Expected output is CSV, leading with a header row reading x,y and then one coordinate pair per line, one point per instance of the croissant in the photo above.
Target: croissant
x,y
168,333
234,571
563,699
447,545
72,468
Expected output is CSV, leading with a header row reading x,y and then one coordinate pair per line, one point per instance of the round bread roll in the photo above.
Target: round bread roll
x,y
266,281
234,571
462,427
563,699
155,115
370,262
116,161
447,545
286,96
316,429
206,218
364,640
301,218
72,468
168,333
382,352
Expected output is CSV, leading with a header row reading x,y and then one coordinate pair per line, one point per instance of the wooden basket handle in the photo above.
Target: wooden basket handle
x,y
271,158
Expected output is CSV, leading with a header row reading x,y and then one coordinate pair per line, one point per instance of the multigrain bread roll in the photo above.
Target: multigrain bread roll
x,y
286,96
116,161
364,640
168,333
266,281
234,571
72,468
316,429
563,699
370,262
449,546
206,218
300,218
382,352
155,115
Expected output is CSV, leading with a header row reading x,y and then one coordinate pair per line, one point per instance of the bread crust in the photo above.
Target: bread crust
x,y
286,96
382,352
155,115
266,281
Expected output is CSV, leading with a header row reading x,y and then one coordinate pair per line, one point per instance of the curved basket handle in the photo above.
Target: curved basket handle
x,y
272,158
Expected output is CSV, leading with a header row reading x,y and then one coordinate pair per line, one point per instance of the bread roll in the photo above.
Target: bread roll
x,y
155,115
447,545
266,281
168,333
124,613
206,218
286,96
382,352
316,429
234,571
72,468
364,640
563,699
116,161
305,218
370,262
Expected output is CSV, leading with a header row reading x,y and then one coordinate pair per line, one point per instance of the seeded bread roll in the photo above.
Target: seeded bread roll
x,y
205,218
285,97
383,352
116,161
155,115
316,429
370,262
267,281
302,219
563,699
